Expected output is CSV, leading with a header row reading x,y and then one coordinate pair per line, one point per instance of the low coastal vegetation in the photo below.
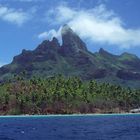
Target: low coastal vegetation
x,y
60,95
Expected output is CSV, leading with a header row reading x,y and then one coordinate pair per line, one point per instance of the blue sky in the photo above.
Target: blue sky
x,y
111,24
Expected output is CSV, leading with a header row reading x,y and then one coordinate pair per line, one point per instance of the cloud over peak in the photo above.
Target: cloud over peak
x,y
98,25
50,34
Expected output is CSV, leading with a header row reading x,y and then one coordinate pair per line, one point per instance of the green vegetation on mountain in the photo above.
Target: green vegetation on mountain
x,y
73,59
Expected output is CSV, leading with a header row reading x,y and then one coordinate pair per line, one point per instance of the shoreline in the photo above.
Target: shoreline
x,y
66,115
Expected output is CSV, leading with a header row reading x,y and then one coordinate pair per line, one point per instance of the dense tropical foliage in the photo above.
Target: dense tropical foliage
x,y
60,95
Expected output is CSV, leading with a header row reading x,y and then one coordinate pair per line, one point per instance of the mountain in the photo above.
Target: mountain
x,y
73,59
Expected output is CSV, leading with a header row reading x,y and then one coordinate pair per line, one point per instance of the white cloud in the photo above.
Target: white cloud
x,y
97,25
14,16
50,34
43,35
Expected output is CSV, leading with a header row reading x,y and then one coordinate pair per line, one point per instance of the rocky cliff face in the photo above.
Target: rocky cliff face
x,y
73,59
71,40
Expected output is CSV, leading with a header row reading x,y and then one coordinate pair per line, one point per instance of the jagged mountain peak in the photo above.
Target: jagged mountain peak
x,y
105,53
72,59
46,44
66,29
71,42
128,55
101,50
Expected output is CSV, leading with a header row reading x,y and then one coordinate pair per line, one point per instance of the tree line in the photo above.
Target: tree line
x,y
61,95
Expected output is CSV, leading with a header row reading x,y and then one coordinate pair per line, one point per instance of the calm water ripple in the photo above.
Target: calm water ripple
x,y
104,127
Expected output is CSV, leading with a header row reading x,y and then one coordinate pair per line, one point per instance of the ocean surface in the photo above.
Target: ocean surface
x,y
82,127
